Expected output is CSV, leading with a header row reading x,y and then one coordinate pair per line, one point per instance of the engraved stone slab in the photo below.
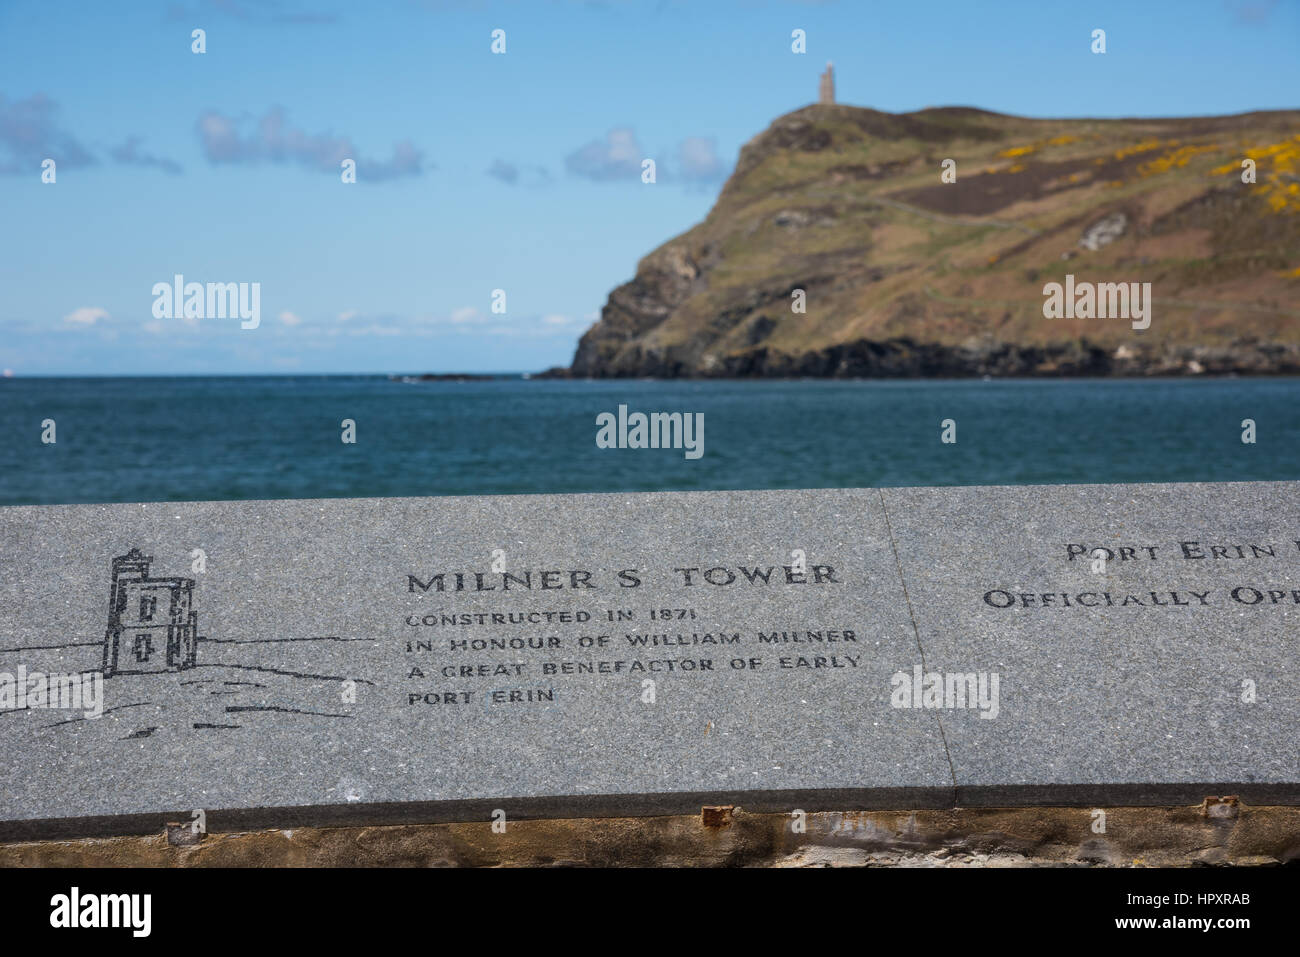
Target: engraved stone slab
x,y
1165,673
276,663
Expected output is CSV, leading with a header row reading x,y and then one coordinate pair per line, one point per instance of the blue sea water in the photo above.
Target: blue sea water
x,y
169,439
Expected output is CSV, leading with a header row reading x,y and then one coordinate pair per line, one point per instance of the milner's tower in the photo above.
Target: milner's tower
x,y
826,85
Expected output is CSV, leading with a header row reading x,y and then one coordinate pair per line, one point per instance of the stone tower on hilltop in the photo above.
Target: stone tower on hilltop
x,y
826,85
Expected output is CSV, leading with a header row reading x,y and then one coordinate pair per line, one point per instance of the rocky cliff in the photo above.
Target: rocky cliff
x,y
903,274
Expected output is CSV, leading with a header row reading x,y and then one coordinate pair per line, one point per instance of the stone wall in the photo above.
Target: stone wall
x,y
1212,834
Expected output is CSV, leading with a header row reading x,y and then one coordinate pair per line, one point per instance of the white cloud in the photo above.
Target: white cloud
x,y
159,326
555,319
618,156
290,319
86,316
350,314
466,314
698,161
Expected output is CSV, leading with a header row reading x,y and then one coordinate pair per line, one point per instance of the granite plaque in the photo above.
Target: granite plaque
x,y
1147,637
425,659
385,660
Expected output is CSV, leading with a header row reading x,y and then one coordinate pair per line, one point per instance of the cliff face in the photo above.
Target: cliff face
x,y
905,275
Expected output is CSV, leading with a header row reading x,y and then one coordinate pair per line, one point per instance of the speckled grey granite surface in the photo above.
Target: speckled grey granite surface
x,y
300,597
312,699
1134,677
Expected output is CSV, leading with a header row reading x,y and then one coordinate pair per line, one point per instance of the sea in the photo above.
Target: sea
x,y
206,438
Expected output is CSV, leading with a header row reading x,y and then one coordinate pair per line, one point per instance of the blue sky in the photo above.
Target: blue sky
x,y
479,171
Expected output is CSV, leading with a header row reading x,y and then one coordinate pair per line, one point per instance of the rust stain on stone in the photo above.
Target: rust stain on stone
x,y
717,816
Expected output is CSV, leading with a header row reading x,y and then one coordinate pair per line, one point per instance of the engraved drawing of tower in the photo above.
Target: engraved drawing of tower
x,y
151,622
826,85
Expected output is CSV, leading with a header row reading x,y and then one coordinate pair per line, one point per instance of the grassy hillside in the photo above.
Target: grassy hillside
x,y
908,275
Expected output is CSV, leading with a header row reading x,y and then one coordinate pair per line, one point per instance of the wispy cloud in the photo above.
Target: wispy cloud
x,y
463,321
620,154
252,11
29,134
1252,11
512,174
617,156
506,172
698,163
272,140
129,153
466,314
86,316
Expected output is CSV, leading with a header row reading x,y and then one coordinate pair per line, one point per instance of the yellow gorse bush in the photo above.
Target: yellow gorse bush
x,y
1173,160
1275,171
1145,146
1015,151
